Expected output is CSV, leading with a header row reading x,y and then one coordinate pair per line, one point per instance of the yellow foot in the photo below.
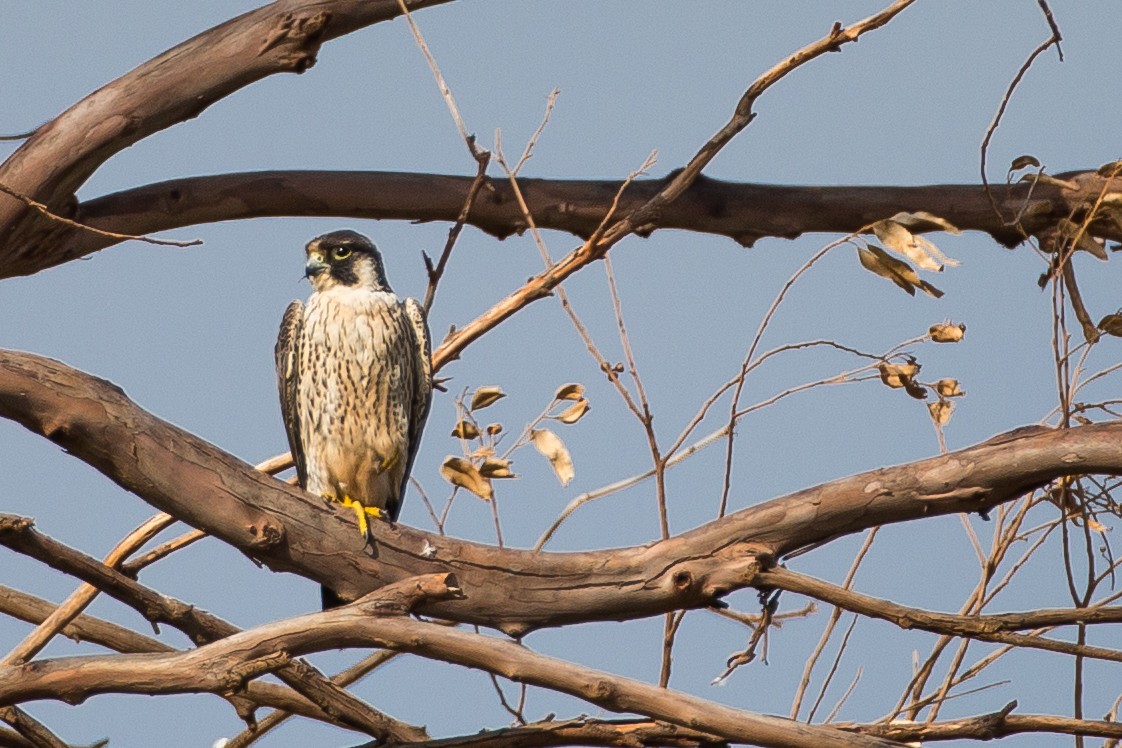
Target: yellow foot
x,y
361,511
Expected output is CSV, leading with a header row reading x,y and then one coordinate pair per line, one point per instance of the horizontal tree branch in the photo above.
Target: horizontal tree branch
x,y
627,733
513,589
743,212
226,664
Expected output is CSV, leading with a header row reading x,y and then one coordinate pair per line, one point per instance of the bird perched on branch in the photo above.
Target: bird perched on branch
x,y
354,370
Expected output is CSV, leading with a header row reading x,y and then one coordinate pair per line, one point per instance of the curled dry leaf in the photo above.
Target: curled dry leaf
x,y
948,388
916,390
574,412
1111,324
921,220
947,332
569,392
465,430
898,375
495,467
1113,169
485,396
460,472
899,272
1041,178
494,429
551,446
1076,235
1023,162
919,250
941,411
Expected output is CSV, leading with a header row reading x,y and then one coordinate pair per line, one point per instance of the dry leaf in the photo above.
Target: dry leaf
x,y
898,375
465,430
941,411
494,429
569,392
1113,169
495,467
1072,232
918,391
946,332
921,220
899,272
551,446
1111,324
919,250
948,388
460,472
485,396
1063,184
1023,162
574,412
1097,526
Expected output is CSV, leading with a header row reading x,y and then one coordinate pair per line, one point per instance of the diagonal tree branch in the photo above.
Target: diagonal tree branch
x,y
990,727
60,155
992,628
195,481
35,610
339,705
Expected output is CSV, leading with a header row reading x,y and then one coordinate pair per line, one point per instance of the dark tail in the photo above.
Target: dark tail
x,y
329,599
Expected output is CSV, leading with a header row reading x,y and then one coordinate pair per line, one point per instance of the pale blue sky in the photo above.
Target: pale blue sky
x,y
188,333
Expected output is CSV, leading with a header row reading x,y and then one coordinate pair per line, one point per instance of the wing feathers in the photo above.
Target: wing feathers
x,y
287,357
422,383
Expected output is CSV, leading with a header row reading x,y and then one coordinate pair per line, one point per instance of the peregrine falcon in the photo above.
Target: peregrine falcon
x,y
355,376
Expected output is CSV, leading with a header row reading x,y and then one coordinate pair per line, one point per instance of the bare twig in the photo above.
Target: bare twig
x,y
1055,39
828,630
43,210
542,284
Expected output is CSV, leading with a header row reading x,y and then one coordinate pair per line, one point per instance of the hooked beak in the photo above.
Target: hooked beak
x,y
315,264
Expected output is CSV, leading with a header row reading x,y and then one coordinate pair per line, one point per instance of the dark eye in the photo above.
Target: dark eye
x,y
340,253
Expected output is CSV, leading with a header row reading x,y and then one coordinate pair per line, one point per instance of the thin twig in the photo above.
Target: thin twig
x,y
833,669
1056,38
47,213
832,622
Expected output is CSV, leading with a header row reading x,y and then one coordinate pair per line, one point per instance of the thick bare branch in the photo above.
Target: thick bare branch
x,y
517,590
338,704
35,610
226,664
741,211
177,85
578,732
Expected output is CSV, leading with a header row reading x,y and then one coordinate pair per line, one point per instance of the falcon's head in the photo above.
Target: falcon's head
x,y
344,258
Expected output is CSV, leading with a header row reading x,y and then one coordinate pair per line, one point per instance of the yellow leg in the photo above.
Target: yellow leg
x,y
389,462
